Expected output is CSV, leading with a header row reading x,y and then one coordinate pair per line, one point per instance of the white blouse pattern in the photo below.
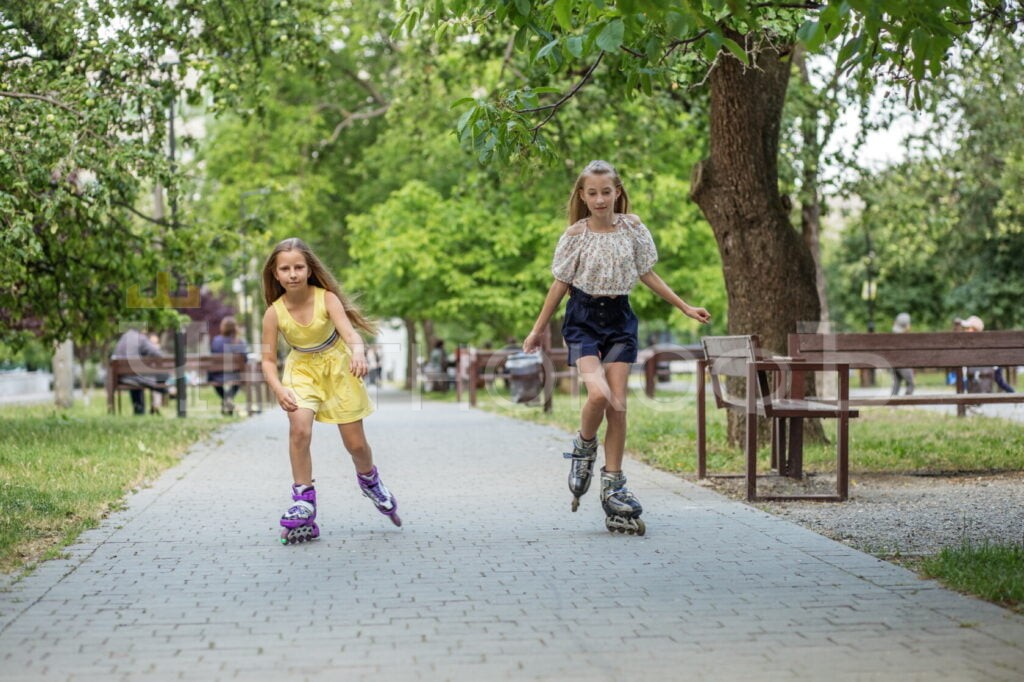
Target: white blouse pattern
x,y
605,263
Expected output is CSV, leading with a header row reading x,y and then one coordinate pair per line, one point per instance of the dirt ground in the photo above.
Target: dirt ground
x,y
895,516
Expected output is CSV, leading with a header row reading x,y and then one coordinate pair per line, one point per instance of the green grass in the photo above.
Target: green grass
x,y
63,471
993,572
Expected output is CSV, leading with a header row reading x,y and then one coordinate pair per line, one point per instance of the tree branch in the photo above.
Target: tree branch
x,y
350,117
41,98
567,96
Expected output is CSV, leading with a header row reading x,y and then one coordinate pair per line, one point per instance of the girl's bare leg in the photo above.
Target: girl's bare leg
x,y
617,378
354,439
598,394
300,434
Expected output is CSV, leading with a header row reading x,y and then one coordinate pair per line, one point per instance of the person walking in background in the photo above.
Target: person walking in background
x,y
977,376
373,364
322,377
598,261
901,325
227,383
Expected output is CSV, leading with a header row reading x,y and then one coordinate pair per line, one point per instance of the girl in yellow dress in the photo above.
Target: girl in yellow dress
x,y
322,377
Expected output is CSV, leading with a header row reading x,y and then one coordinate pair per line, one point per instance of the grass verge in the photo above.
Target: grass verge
x,y
62,471
993,572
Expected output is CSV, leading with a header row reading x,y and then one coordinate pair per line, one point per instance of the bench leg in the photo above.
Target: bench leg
x,y
702,443
843,459
795,461
751,450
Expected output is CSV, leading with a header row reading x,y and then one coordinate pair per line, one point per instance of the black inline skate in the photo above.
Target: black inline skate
x,y
622,509
583,455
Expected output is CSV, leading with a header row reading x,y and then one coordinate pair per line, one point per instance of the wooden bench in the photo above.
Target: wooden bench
x,y
122,371
650,357
479,368
951,351
767,383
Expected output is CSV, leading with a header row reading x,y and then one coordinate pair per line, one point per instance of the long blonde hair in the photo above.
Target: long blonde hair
x,y
577,209
318,276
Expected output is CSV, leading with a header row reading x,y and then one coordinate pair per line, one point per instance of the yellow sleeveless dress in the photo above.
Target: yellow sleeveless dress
x,y
317,368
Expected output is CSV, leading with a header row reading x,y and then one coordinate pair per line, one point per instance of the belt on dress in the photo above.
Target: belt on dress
x,y
322,347
583,298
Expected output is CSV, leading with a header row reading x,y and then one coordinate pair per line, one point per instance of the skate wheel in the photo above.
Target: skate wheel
x,y
575,503
640,527
395,519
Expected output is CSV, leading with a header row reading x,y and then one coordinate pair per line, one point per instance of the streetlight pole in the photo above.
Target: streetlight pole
x,y
868,377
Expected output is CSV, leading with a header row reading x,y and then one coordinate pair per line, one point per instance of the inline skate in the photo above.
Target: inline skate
x,y
299,522
582,468
378,493
621,508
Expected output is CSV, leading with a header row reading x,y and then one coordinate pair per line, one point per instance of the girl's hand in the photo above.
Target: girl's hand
x,y
531,342
699,314
358,365
287,400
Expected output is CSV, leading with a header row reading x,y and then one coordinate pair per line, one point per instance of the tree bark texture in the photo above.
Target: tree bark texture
x,y
769,272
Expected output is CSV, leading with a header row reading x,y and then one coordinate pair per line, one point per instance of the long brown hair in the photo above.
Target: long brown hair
x,y
577,209
318,276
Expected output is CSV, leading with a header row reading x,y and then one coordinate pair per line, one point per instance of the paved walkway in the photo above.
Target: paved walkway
x,y
491,578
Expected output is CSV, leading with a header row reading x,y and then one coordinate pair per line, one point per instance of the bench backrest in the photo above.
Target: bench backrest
x,y
912,349
727,357
217,362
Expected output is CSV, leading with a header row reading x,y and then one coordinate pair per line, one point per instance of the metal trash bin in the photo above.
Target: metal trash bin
x,y
524,372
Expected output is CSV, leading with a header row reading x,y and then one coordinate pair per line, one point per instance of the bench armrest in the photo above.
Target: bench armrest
x,y
780,364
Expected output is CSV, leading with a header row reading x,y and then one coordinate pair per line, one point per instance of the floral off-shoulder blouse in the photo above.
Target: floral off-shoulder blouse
x,y
605,263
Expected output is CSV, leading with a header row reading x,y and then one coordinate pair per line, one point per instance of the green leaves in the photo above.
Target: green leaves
x,y
609,37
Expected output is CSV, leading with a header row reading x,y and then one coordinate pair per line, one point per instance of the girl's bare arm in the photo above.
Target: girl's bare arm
x,y
658,286
556,292
285,398
336,311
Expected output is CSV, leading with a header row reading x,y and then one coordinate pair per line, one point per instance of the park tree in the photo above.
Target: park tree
x,y
86,91
741,52
945,224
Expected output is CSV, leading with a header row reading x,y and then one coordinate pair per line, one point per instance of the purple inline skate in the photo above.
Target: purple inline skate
x,y
299,522
381,497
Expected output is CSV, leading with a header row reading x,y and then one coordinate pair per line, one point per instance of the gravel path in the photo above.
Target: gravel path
x,y
891,515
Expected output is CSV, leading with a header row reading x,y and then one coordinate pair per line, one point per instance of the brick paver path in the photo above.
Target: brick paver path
x,y
491,578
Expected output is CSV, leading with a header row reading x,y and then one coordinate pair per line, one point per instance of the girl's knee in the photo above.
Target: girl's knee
x,y
357,447
615,412
301,433
597,401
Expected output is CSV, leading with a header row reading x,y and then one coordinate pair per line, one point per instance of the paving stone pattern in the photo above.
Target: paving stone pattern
x,y
491,577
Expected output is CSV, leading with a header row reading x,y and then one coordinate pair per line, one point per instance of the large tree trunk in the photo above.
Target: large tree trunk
x,y
769,273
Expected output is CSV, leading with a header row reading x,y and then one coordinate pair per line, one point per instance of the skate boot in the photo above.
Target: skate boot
x,y
381,497
622,509
583,455
299,522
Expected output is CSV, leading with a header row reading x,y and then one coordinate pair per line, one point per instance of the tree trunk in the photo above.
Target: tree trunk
x,y
64,375
769,272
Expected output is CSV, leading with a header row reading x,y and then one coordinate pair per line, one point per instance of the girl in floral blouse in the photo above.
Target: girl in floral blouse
x,y
598,261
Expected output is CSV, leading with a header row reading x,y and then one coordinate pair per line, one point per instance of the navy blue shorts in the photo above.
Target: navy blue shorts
x,y
601,326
